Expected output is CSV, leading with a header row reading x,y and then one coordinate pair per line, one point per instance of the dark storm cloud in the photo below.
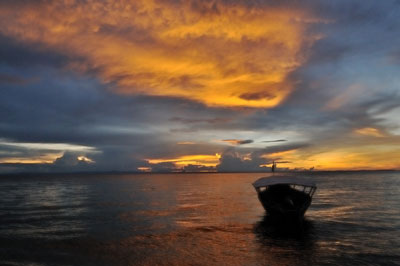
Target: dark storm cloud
x,y
245,141
65,108
117,158
164,167
198,168
20,54
233,161
272,141
257,95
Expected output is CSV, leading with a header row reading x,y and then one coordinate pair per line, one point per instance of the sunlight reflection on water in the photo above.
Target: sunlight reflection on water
x,y
194,219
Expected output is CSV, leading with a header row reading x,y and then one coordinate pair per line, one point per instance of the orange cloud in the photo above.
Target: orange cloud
x,y
85,159
204,160
186,143
144,169
215,53
332,157
43,158
365,158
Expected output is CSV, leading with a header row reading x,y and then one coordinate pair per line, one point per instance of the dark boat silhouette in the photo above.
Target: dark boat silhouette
x,y
285,198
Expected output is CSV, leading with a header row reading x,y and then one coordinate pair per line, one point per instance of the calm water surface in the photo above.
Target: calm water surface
x,y
194,219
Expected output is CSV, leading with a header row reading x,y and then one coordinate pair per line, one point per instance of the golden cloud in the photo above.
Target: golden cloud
x,y
216,53
198,159
355,155
186,143
43,158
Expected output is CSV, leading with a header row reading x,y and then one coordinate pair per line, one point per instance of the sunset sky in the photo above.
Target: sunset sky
x,y
173,85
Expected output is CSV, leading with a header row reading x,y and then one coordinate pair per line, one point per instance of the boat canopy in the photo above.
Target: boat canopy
x,y
290,180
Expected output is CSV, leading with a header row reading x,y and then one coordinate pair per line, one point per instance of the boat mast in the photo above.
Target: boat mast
x,y
273,167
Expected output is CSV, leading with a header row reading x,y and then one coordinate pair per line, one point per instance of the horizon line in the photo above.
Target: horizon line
x,y
194,172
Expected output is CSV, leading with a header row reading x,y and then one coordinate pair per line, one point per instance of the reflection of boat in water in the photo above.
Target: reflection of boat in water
x,y
286,198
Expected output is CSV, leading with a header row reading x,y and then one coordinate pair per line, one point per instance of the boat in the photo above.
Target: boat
x,y
285,198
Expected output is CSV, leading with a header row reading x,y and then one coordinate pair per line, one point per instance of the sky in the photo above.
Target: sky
x,y
181,85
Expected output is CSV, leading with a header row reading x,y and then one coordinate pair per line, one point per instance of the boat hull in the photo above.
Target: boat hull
x,y
288,205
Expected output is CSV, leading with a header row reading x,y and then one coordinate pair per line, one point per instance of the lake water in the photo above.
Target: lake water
x,y
194,219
